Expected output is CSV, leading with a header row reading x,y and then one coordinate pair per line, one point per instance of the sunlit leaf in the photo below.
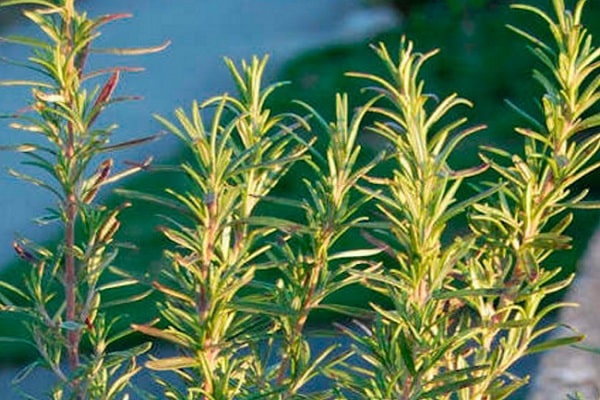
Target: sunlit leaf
x,y
171,363
133,51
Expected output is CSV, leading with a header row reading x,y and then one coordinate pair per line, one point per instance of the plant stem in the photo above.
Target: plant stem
x,y
70,281
73,335
204,305
312,279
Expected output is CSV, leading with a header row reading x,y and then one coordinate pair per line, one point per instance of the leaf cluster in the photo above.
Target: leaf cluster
x,y
457,313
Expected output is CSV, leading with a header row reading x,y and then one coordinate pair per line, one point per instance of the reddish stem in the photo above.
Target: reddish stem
x,y
312,279
70,281
73,334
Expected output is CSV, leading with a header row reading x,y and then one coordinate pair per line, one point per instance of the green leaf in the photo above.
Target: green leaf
x,y
117,284
24,372
171,363
407,353
312,368
13,289
121,382
169,336
25,40
456,140
461,207
589,349
358,253
519,323
71,325
127,300
355,312
458,294
133,51
554,343
531,38
452,387
5,339
582,205
116,357
278,223
6,3
173,293
261,306
525,115
26,83
162,201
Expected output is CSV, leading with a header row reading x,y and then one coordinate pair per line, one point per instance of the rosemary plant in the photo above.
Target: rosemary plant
x,y
464,312
236,161
409,346
310,261
460,311
526,224
61,299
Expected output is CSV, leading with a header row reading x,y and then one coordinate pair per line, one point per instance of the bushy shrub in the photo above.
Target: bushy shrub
x,y
457,313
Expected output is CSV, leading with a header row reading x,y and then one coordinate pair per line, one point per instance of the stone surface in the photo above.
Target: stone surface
x,y
566,370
